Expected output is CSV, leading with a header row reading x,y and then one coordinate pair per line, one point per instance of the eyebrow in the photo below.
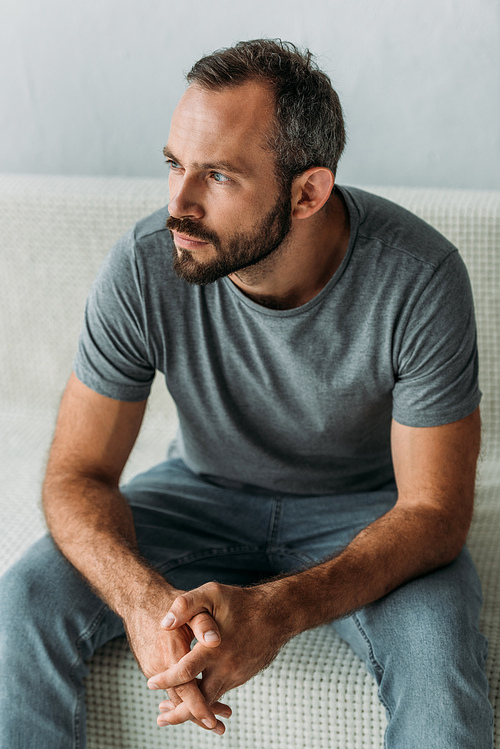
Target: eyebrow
x,y
215,166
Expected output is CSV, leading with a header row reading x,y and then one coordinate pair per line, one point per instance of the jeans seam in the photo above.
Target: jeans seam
x,y
206,554
274,522
172,564
304,559
375,664
91,629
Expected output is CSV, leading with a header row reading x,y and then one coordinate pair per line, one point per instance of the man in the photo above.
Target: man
x,y
319,344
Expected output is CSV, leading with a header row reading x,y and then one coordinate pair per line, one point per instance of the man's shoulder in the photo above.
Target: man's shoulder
x,y
148,244
398,229
153,226
143,252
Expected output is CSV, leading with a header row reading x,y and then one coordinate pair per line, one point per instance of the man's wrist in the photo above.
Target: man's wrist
x,y
149,595
303,600
286,605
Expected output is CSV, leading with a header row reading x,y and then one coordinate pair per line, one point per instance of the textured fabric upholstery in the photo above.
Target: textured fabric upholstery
x,y
54,232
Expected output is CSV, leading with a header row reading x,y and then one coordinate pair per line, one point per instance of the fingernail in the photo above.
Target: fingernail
x,y
211,636
218,730
208,723
163,722
152,685
168,621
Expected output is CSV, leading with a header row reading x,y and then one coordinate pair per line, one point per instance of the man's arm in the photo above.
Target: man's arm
x,y
92,524
435,473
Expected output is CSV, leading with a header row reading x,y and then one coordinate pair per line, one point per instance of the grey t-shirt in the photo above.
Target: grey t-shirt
x,y
296,400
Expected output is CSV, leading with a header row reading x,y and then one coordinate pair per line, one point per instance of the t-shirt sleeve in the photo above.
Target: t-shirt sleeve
x,y
112,356
437,360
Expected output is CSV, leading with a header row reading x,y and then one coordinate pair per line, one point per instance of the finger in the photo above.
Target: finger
x,y
181,714
203,625
188,668
174,698
193,705
219,708
205,629
189,605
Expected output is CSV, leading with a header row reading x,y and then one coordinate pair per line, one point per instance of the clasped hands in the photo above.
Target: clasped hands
x,y
239,631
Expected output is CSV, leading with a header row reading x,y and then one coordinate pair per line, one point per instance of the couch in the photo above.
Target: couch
x,y
54,232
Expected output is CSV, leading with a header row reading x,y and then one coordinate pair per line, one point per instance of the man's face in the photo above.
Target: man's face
x,y
227,211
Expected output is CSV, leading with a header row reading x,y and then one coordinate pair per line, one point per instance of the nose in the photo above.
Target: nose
x,y
184,198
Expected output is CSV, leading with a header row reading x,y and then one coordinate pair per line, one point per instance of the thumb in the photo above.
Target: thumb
x,y
202,624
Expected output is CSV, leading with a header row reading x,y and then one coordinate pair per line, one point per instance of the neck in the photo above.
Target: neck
x,y
304,264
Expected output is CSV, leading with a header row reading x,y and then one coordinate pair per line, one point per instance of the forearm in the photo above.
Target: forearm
x,y
404,544
92,524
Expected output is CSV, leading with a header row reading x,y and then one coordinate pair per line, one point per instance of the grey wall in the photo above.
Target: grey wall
x,y
88,87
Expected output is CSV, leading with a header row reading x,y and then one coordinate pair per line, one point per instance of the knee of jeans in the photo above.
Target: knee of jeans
x,y
440,630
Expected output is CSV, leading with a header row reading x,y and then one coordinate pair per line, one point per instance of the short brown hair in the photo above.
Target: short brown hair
x,y
309,125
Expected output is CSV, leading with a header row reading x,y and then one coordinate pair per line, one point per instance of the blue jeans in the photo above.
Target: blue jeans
x,y
421,642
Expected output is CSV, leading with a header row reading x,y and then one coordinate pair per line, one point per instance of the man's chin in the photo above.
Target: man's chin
x,y
199,274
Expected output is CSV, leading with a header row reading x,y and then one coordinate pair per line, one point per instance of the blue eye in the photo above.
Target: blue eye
x,y
218,177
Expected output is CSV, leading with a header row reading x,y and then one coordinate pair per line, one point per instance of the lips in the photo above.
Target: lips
x,y
182,240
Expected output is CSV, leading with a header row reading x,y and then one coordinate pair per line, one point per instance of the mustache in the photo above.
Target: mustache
x,y
191,228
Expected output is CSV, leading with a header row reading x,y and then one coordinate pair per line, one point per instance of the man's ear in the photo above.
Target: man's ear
x,y
311,190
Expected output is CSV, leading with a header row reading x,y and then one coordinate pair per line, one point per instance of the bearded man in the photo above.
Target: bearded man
x,y
319,344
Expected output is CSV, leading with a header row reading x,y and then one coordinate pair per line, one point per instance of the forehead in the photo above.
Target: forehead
x,y
227,125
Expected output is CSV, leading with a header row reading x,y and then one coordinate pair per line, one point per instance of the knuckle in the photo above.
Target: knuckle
x,y
181,603
211,588
185,674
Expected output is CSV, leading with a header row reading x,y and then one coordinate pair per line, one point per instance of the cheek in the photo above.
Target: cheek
x,y
242,215
172,189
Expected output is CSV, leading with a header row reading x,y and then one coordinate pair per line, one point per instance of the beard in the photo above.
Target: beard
x,y
239,251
